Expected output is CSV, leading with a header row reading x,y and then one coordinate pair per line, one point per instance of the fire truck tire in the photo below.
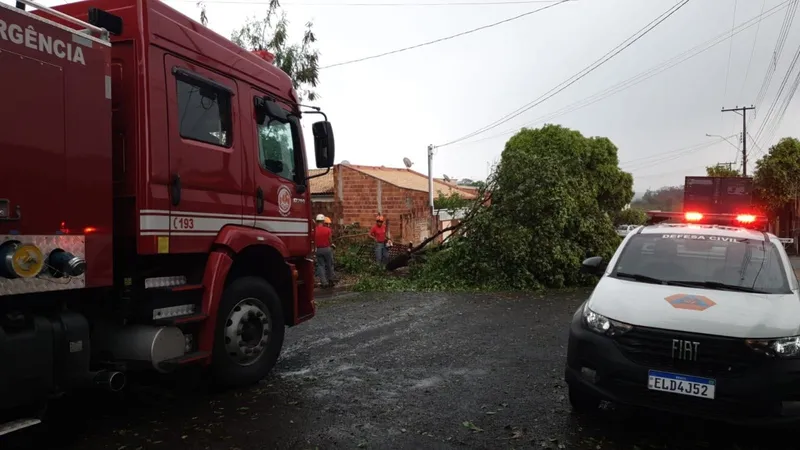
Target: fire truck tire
x,y
249,334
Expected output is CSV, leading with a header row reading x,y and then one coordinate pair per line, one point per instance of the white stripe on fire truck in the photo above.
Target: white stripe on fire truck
x,y
161,212
193,224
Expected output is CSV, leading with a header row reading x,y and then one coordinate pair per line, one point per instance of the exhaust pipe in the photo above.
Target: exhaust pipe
x,y
109,380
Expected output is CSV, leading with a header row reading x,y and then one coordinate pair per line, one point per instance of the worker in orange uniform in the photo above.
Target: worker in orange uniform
x,y
322,239
378,233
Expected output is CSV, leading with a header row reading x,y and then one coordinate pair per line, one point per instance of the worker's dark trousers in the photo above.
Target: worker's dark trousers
x,y
325,265
381,253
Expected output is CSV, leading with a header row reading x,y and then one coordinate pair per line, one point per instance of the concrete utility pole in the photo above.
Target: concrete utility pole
x,y
430,177
743,112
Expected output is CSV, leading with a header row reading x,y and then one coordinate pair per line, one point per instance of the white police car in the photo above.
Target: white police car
x,y
700,317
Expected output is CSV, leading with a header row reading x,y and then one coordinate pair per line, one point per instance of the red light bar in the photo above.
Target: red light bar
x,y
746,218
736,220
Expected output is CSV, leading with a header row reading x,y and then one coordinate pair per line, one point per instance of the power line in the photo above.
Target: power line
x,y
669,155
484,27
782,110
411,4
752,50
730,52
776,54
781,88
572,80
645,75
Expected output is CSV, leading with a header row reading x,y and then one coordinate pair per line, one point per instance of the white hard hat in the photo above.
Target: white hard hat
x,y
320,217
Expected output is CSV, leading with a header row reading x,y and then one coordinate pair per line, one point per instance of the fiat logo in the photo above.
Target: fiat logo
x,y
284,200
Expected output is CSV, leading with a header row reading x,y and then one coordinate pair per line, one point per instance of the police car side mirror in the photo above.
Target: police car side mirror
x,y
593,266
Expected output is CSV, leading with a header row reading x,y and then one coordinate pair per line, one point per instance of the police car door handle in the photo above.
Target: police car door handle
x,y
259,200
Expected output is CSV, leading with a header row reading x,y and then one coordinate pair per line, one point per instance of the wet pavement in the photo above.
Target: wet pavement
x,y
395,371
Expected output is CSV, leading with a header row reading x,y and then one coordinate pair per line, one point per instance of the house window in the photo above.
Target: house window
x,y
276,148
204,113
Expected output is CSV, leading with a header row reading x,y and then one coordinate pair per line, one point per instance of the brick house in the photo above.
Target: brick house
x,y
352,194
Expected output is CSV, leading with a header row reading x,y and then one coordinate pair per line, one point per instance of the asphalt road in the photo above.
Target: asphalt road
x,y
398,371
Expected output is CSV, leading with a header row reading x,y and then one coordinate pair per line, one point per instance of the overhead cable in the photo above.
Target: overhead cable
x,y
645,75
581,74
452,36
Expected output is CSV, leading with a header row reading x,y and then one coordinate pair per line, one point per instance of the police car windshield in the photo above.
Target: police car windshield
x,y
713,262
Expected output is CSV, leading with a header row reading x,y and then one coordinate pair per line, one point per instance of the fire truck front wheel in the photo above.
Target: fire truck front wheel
x,y
249,335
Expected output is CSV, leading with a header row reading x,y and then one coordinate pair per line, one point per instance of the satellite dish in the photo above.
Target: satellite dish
x,y
446,178
346,162
408,163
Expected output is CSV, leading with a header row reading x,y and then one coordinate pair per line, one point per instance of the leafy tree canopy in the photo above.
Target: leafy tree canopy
x,y
300,60
669,198
777,175
450,202
630,216
553,194
722,171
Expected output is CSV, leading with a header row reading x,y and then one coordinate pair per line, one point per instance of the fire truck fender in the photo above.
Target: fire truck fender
x,y
238,238
238,252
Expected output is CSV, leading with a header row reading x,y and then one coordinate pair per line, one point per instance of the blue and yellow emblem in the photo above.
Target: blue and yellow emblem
x,y
692,302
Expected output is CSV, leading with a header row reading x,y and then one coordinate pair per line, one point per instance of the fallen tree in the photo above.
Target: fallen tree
x,y
553,196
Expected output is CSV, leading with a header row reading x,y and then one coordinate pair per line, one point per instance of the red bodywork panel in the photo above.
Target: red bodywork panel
x,y
100,143
218,184
56,135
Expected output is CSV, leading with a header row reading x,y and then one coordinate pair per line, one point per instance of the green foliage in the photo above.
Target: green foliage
x,y
354,252
472,183
451,202
722,171
553,194
630,216
299,60
777,175
669,198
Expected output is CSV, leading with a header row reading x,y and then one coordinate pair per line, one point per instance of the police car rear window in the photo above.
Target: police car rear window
x,y
727,260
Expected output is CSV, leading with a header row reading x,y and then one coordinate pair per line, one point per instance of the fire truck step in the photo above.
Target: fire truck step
x,y
172,364
182,320
16,425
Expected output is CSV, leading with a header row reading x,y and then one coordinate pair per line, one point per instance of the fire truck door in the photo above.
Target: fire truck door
x,y
279,177
205,156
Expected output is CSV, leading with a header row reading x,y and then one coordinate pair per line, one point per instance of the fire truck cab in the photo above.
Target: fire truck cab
x,y
154,202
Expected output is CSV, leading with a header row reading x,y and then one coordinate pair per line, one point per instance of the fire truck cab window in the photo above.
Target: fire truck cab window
x,y
204,113
276,149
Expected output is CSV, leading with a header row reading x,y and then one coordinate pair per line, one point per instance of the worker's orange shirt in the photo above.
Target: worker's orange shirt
x,y
378,232
322,236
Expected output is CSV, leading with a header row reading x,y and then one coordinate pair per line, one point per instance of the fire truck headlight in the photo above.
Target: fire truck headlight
x,y
18,260
63,263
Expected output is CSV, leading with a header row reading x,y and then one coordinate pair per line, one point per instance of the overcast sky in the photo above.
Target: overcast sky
x,y
392,107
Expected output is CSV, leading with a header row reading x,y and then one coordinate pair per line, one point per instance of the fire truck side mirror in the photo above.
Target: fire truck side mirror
x,y
324,146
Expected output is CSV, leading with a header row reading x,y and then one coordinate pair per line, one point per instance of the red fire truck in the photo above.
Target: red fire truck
x,y
154,202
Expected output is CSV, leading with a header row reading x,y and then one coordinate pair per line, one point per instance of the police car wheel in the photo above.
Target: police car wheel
x,y
582,402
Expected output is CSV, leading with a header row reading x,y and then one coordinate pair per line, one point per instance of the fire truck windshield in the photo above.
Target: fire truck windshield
x,y
715,262
278,147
